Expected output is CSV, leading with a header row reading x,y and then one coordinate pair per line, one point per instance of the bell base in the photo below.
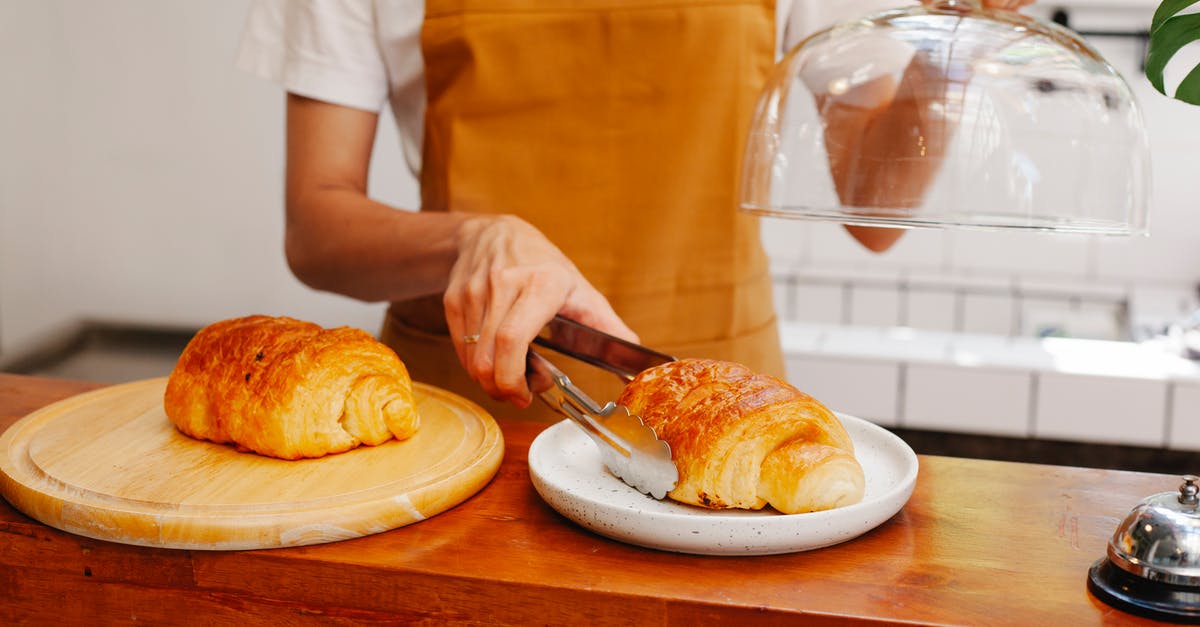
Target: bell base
x,y
1143,597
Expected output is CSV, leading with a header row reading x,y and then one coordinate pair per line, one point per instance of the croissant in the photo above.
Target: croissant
x,y
743,440
290,389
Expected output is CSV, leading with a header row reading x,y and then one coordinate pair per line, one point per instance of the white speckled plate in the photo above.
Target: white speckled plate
x,y
567,472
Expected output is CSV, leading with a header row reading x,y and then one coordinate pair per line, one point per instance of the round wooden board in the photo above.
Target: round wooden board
x,y
108,464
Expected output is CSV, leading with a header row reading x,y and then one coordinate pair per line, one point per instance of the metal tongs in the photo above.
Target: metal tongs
x,y
630,449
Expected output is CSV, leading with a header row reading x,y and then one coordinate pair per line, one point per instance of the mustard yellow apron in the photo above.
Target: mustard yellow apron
x,y
616,127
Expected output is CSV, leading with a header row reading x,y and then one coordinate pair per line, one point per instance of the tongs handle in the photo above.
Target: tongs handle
x,y
591,346
565,397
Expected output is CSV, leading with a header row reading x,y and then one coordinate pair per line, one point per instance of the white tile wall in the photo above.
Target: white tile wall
x,y
1155,306
875,306
932,310
988,313
1184,430
1044,317
863,388
1053,388
819,303
1100,409
980,400
996,289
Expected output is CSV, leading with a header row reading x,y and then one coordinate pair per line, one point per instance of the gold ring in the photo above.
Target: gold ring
x,y
471,339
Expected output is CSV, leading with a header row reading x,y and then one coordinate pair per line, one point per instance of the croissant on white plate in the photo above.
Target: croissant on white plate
x,y
290,389
742,440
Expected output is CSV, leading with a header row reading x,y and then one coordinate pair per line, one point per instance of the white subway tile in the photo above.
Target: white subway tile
x,y
935,310
984,401
862,388
1155,306
1045,317
1110,410
818,302
1100,321
987,313
874,306
1185,417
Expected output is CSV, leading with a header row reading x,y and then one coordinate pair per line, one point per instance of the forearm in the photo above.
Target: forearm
x,y
885,143
340,240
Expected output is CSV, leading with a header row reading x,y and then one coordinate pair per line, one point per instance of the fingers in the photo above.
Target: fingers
x,y
464,303
506,284
1006,5
498,360
547,291
1003,5
591,308
526,316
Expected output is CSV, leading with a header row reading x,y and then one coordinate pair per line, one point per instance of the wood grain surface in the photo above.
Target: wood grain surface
x,y
109,465
979,543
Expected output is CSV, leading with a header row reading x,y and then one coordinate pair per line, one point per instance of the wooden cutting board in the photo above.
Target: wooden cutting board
x,y
108,464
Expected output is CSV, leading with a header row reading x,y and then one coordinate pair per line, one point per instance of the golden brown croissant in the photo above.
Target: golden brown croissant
x,y
742,440
289,389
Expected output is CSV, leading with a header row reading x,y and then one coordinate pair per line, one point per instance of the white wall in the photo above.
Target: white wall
x,y
141,173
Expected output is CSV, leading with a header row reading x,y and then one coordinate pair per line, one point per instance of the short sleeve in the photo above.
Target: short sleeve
x,y
322,49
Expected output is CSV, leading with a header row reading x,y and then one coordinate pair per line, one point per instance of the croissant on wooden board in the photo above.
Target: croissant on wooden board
x,y
290,389
743,440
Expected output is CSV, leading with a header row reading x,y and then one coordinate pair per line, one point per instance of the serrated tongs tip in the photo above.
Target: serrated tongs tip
x,y
630,449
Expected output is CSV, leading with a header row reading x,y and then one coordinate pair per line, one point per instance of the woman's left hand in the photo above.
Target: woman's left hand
x,y
1006,5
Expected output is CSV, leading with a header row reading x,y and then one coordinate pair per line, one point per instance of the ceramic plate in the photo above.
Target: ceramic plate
x,y
567,472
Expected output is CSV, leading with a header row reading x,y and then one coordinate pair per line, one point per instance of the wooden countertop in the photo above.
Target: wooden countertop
x,y
980,542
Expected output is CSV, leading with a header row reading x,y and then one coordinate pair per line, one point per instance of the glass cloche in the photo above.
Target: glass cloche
x,y
949,115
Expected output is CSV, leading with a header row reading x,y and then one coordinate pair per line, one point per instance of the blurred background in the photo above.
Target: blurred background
x,y
141,198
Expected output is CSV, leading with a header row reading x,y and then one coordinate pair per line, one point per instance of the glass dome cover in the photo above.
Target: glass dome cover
x,y
949,115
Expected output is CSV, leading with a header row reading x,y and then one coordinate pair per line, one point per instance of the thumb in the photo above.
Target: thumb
x,y
594,310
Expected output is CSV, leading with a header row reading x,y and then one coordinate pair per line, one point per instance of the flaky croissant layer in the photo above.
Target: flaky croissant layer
x,y
743,440
288,388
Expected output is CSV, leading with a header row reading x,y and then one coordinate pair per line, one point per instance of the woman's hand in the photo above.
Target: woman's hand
x,y
507,283
1007,5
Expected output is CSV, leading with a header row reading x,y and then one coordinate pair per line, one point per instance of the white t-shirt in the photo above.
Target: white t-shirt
x,y
363,53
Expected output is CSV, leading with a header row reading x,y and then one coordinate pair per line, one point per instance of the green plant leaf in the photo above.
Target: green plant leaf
x,y
1169,32
1167,9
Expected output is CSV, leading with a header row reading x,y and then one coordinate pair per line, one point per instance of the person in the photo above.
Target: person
x,y
575,157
